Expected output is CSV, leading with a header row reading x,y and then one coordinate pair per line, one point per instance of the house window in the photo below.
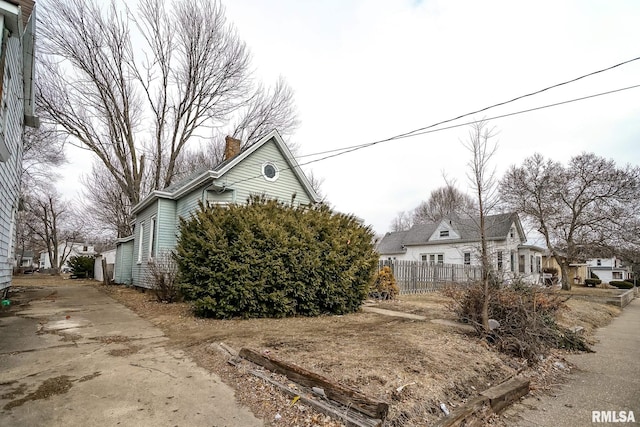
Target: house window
x,y
444,233
140,239
617,275
512,232
521,264
423,257
152,237
467,258
512,261
436,258
531,264
599,262
499,260
85,249
270,171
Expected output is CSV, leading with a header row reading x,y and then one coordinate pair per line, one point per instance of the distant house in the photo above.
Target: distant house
x,y
456,241
265,168
25,259
66,251
17,25
576,269
608,269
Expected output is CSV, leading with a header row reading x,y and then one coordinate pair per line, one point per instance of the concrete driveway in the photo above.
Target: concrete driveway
x,y
72,356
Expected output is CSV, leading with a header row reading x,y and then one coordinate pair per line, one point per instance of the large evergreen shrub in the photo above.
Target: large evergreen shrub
x,y
268,259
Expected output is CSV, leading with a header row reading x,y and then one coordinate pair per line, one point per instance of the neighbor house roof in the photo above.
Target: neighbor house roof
x,y
497,228
201,176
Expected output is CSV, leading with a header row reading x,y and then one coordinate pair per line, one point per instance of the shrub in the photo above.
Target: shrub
x,y
268,259
162,274
592,282
384,285
594,275
621,284
526,316
82,266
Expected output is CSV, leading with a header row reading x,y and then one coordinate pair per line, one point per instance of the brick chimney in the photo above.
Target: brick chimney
x,y
231,148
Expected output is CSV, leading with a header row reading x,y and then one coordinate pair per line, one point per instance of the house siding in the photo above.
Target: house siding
x,y
143,221
167,231
124,263
13,106
246,177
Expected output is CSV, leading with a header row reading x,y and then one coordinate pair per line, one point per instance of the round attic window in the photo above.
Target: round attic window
x,y
270,171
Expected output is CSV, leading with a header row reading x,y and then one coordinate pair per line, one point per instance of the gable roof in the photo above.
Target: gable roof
x,y
201,176
497,228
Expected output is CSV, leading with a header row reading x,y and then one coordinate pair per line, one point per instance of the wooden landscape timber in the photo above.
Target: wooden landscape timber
x,y
497,398
348,416
345,395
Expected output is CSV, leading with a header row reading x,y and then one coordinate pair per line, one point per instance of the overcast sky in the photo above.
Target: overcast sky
x,y
367,70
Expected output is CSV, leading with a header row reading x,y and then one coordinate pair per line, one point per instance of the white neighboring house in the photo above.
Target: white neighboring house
x,y
65,252
457,241
608,269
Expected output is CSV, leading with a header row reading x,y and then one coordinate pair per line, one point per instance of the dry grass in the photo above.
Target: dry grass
x,y
374,353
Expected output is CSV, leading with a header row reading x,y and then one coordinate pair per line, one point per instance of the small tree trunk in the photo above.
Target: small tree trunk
x,y
566,280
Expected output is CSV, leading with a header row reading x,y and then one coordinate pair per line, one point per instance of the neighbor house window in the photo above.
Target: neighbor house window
x,y
521,263
512,261
599,262
467,258
617,275
436,258
531,264
499,260
512,232
85,249
140,239
423,257
152,238
444,233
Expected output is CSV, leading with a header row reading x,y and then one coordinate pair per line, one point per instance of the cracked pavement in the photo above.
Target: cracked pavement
x,y
73,356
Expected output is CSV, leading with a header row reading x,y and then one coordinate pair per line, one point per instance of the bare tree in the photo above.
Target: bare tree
x,y
588,204
50,220
403,221
43,149
482,179
105,204
316,183
444,202
191,76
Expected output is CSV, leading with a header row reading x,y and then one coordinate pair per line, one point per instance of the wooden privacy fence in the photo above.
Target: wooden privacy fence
x,y
414,277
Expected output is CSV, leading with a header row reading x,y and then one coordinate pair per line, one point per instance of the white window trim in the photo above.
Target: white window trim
x,y
140,242
152,232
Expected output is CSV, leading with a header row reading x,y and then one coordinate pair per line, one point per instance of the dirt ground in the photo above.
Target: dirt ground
x,y
414,365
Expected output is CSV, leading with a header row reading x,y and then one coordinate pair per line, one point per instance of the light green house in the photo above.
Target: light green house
x,y
265,168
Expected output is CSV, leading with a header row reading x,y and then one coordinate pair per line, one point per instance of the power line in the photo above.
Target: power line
x,y
427,129
404,135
